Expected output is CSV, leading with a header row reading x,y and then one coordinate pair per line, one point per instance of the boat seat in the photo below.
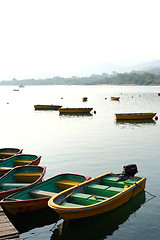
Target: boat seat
x,y
114,181
85,199
6,168
66,183
41,193
71,205
20,162
103,190
27,176
8,186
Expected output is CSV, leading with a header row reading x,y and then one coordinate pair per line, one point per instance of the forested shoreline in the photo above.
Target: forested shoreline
x,y
132,78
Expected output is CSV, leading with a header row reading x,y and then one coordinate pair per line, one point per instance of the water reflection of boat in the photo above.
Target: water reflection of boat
x,y
24,222
138,121
98,227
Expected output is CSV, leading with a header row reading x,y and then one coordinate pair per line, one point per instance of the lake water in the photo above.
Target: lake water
x,y
90,145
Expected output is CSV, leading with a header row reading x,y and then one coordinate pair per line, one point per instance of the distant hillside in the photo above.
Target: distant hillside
x,y
132,78
142,74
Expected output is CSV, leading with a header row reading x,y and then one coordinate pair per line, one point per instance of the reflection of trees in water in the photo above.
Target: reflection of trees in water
x,y
98,227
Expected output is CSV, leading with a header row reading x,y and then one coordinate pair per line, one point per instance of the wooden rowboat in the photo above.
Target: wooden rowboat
x,y
20,178
134,116
36,197
84,99
18,160
47,107
75,110
115,98
9,152
96,196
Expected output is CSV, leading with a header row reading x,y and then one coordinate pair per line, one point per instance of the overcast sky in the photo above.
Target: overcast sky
x,y
64,36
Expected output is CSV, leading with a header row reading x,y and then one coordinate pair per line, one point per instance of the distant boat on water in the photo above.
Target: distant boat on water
x,y
75,110
115,98
47,107
134,116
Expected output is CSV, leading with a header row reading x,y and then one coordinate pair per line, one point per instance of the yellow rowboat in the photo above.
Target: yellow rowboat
x,y
9,152
47,107
134,116
96,196
115,98
75,110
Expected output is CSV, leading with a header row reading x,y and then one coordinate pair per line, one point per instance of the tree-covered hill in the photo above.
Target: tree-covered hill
x,y
132,78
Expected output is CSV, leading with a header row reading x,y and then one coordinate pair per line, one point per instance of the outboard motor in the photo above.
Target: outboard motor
x,y
130,170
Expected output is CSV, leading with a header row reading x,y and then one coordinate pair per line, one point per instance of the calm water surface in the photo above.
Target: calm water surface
x,y
90,145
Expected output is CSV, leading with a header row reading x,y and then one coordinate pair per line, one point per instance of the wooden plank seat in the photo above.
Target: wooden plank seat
x,y
103,190
7,186
41,193
27,176
20,162
66,183
6,168
115,181
85,199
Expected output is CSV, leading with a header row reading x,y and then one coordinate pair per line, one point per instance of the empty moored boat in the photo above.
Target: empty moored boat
x,y
115,98
18,160
36,197
75,110
20,178
99,195
84,99
47,107
9,152
134,116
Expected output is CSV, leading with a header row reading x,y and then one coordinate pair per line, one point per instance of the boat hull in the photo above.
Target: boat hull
x,y
75,110
47,107
24,202
75,213
6,153
20,178
134,116
18,160
115,98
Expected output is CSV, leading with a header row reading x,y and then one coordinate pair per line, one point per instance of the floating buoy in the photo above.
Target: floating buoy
x,y
156,118
94,112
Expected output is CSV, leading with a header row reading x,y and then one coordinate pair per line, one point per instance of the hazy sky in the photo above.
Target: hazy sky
x,y
64,36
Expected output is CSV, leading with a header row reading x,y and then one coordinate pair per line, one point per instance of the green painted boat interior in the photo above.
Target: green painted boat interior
x,y
13,162
9,181
103,189
50,186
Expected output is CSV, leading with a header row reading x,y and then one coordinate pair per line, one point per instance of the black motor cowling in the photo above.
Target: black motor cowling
x,y
129,170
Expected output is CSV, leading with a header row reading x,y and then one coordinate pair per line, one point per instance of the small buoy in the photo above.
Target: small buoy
x,y
94,112
156,117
